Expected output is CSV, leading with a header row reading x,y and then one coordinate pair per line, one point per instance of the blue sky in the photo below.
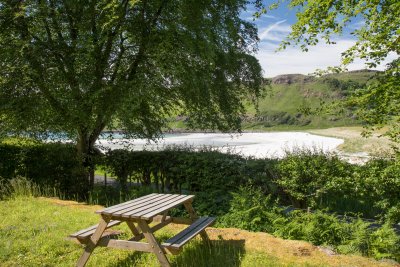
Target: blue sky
x,y
274,26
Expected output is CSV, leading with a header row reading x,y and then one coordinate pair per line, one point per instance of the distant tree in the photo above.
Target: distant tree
x,y
377,35
77,67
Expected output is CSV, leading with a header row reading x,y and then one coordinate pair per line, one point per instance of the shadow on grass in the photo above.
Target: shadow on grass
x,y
226,253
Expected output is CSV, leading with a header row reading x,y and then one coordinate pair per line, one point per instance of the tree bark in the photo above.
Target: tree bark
x,y
86,153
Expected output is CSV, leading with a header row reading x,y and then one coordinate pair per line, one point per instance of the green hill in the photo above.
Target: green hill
x,y
283,105
289,95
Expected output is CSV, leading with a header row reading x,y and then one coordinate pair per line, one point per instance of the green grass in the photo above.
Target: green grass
x,y
292,99
33,232
375,145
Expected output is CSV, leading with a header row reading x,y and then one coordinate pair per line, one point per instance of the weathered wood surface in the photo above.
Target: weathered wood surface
x,y
138,213
157,249
145,207
93,242
175,243
86,233
194,216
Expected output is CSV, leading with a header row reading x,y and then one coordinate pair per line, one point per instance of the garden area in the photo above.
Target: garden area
x,y
307,195
74,71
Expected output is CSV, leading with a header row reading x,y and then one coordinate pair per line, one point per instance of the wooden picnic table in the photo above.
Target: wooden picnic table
x,y
138,214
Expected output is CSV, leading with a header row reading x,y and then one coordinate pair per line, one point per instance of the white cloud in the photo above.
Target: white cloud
x,y
275,32
260,19
293,60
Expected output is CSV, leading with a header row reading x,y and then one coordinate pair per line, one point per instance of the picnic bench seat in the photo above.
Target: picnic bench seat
x,y
138,214
175,243
85,234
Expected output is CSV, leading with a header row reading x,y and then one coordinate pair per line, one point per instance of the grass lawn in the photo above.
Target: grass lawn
x,y
33,232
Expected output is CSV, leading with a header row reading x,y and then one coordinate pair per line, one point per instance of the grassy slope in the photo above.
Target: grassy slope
x,y
375,145
33,231
290,97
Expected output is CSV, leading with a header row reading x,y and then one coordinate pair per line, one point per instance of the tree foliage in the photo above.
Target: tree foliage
x,y
376,27
77,66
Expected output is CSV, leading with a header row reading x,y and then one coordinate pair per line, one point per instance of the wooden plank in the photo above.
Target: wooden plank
x,y
187,234
136,206
158,206
139,205
176,220
153,229
184,232
129,204
165,214
142,206
193,215
126,203
166,206
133,228
156,248
190,210
150,206
93,242
124,244
90,230
107,234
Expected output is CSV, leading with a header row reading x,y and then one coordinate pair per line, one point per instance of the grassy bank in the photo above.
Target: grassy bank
x,y
33,232
354,142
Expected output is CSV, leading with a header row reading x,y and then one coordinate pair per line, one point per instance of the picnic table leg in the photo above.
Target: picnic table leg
x,y
93,242
157,249
135,231
193,215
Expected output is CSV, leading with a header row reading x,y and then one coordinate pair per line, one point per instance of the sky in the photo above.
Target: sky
x,y
274,26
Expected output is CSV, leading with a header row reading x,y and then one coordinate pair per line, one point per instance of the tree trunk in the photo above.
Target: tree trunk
x,y
155,174
86,153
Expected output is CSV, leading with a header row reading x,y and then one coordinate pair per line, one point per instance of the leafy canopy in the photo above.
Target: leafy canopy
x,y
377,36
78,66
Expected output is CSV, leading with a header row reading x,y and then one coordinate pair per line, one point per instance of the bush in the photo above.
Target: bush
x,y
306,175
254,211
251,210
51,165
180,169
10,159
304,178
56,165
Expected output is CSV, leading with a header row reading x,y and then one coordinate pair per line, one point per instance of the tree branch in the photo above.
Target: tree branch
x,y
145,39
36,66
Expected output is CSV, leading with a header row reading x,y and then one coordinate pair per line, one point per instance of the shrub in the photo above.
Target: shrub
x,y
251,210
51,165
56,165
385,243
10,160
319,228
306,175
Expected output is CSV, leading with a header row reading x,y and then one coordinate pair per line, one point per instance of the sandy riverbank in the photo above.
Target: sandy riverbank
x,y
259,145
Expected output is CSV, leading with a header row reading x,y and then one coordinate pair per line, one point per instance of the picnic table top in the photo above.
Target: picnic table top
x,y
145,207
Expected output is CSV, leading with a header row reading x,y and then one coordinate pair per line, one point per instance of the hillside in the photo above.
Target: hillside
x,y
33,232
289,94
285,98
